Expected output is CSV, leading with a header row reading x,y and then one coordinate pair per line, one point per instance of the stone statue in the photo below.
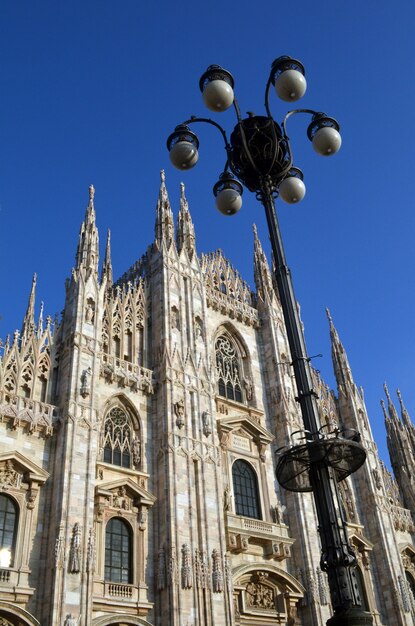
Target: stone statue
x,y
75,551
86,382
179,411
136,451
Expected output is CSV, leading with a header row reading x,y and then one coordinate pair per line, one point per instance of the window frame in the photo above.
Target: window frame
x,y
250,505
12,546
129,535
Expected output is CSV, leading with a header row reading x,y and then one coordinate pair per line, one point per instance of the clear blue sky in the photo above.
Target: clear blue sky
x,y
90,91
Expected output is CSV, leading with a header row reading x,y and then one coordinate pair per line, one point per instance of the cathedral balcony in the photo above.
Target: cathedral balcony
x,y
14,585
33,415
110,596
126,374
402,519
252,536
230,306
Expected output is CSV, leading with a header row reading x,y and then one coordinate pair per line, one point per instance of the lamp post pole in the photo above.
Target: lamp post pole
x,y
259,157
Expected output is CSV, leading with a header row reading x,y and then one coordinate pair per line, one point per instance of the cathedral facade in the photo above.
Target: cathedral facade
x,y
138,440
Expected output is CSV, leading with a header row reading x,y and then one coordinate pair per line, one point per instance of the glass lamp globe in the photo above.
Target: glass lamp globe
x,y
218,95
290,85
228,201
184,155
327,141
292,190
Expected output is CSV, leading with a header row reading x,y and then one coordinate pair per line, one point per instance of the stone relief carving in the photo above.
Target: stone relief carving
x,y
142,518
71,620
227,499
198,328
161,569
175,323
322,587
217,576
179,412
259,596
59,547
90,311
201,569
91,553
9,477
172,567
186,571
75,552
86,382
207,428
278,513
120,500
136,451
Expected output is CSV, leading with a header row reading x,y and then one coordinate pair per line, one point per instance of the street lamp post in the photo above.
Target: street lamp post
x,y
259,157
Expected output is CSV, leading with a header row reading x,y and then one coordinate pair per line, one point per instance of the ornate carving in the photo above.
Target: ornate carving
x,y
142,518
186,571
136,452
201,569
75,553
91,552
175,322
217,576
71,620
227,499
259,594
59,547
172,567
86,382
90,311
9,477
179,412
207,428
278,513
120,500
161,569
322,587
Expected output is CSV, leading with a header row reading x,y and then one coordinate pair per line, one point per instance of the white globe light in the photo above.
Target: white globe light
x,y
327,141
290,85
184,155
292,190
218,95
229,201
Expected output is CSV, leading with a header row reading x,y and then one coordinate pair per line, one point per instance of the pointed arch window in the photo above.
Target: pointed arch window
x,y
245,490
118,438
8,530
227,368
118,551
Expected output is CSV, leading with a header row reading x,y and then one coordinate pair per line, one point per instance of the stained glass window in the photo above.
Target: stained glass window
x,y
227,368
117,438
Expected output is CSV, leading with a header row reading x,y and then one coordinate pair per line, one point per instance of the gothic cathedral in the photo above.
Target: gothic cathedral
x,y
137,459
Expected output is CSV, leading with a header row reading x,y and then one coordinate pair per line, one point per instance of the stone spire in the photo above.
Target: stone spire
x,y
391,407
164,216
185,230
262,274
404,413
40,321
107,267
87,253
401,446
341,365
28,326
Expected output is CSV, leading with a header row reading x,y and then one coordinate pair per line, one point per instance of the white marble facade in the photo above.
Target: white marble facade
x,y
137,458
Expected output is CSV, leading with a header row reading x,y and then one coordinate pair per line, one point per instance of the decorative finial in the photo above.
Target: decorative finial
x,y
182,189
91,193
162,176
254,228
382,404
329,315
385,387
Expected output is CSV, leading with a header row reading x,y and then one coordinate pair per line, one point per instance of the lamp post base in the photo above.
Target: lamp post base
x,y
351,617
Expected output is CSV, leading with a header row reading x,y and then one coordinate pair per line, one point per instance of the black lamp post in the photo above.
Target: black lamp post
x,y
259,157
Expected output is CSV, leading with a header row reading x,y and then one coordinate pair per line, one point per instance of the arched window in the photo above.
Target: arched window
x,y
117,438
411,584
361,589
8,530
227,368
118,551
245,489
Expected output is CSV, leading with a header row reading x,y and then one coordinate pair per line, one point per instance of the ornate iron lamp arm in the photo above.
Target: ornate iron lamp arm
x,y
207,120
294,112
